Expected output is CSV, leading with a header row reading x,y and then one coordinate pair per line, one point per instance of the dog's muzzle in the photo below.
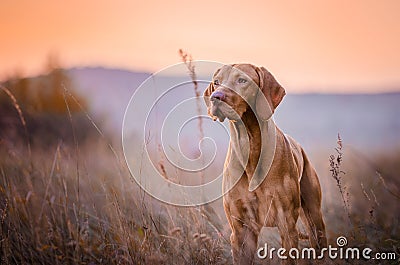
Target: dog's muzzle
x,y
217,99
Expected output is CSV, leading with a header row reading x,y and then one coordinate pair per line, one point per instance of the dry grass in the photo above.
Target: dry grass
x,y
76,204
365,206
48,217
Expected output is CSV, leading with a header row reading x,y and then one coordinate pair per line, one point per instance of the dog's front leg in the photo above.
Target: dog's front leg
x,y
244,243
245,231
288,232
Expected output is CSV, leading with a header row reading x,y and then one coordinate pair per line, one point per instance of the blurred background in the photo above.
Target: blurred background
x,y
67,72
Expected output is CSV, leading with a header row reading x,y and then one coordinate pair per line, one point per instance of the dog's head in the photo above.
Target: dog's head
x,y
238,87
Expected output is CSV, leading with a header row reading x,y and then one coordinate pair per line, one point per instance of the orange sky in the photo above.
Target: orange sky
x,y
344,46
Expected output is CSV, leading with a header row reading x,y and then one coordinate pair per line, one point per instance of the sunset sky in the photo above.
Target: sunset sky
x,y
322,46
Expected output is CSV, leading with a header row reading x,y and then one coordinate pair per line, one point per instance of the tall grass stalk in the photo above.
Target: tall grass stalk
x,y
21,117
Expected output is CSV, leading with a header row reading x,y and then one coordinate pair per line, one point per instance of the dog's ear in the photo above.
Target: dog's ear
x,y
271,90
209,90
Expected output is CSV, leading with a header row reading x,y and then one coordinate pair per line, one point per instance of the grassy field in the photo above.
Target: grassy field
x,y
78,204
74,202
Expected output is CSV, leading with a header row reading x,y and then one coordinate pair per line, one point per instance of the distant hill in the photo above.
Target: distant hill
x,y
366,121
107,90
34,109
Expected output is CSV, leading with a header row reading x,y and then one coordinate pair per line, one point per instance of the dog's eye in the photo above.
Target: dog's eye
x,y
242,80
216,82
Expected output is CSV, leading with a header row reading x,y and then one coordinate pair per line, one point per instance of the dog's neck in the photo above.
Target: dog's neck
x,y
253,146
252,126
249,126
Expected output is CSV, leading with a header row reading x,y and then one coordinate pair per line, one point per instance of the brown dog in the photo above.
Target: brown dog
x,y
268,178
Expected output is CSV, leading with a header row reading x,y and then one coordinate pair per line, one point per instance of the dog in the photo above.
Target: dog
x,y
268,180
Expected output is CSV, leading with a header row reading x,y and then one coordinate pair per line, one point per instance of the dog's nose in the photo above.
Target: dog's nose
x,y
217,95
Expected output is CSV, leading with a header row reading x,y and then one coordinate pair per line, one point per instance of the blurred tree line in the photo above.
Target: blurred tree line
x,y
45,107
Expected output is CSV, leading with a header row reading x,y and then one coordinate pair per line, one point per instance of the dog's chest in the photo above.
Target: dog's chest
x,y
257,208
